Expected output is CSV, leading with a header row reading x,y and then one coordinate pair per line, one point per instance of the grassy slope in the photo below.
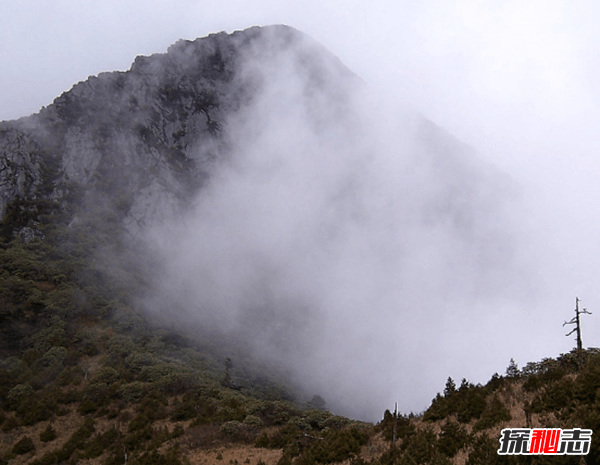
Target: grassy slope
x,y
85,379
462,425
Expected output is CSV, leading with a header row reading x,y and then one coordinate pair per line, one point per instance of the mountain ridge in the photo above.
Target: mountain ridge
x,y
231,171
164,114
138,345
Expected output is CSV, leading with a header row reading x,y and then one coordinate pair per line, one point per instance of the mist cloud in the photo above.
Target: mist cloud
x,y
518,82
343,238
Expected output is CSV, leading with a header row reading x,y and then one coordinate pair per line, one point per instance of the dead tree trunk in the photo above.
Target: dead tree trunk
x,y
577,322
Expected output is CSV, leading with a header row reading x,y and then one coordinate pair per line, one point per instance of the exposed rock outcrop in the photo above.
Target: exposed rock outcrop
x,y
148,136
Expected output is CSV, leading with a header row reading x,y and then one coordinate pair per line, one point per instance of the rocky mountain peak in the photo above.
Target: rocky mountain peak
x,y
147,136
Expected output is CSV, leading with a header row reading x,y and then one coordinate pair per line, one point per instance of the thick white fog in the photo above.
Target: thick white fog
x,y
386,300
351,242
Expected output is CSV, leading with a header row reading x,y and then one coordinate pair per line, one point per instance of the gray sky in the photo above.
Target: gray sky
x,y
516,80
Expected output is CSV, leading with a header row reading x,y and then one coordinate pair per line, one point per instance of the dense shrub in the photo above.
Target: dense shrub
x,y
471,406
23,446
281,438
37,409
588,382
402,425
100,443
452,438
253,421
494,413
334,446
120,346
86,342
278,412
133,392
49,434
484,452
423,447
234,429
10,423
54,357
17,395
106,375
137,361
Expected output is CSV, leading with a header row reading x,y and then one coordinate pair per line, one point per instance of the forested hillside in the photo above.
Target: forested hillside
x,y
197,255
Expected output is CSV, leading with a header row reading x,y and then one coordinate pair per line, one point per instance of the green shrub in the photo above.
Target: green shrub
x,y
253,421
471,405
439,409
46,338
404,427
36,410
452,438
49,434
141,421
154,407
236,430
532,383
185,410
78,438
137,361
563,393
100,393
587,384
494,413
100,443
317,419
335,446
423,447
10,423
175,383
87,406
71,375
279,412
23,446
178,431
282,437
106,375
54,357
120,346
17,395
133,392
484,452
86,342
12,368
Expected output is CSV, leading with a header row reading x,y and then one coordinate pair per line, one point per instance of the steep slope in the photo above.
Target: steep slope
x,y
463,424
242,193
144,140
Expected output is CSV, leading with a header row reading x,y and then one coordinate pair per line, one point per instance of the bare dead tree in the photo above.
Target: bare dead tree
x,y
395,425
575,321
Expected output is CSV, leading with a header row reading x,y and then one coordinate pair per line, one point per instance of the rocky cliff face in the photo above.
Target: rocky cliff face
x,y
145,139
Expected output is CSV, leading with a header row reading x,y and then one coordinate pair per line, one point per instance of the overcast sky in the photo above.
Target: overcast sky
x,y
517,80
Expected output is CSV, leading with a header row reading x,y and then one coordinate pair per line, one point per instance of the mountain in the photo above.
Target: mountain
x,y
208,249
148,137
248,188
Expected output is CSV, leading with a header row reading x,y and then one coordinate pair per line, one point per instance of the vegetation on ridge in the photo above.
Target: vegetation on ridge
x,y
86,377
83,377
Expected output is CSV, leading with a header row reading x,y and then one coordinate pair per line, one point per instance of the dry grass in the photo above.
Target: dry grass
x,y
199,445
374,448
64,427
234,455
205,444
